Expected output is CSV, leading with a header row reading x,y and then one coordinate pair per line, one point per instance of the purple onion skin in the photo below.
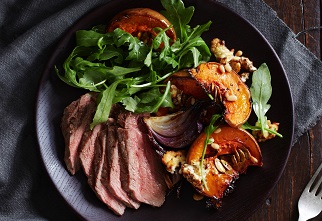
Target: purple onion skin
x,y
183,131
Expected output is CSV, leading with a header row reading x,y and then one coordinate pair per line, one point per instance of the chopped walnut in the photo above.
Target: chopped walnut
x,y
226,57
245,63
176,95
235,65
262,137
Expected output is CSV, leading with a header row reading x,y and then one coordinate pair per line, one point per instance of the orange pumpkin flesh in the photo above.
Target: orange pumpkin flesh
x,y
234,93
229,140
188,85
140,23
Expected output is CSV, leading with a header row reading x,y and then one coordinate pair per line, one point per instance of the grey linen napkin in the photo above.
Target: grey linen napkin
x,y
29,31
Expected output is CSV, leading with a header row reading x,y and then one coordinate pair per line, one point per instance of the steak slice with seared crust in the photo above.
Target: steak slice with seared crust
x,y
87,149
97,180
76,118
112,173
142,174
87,145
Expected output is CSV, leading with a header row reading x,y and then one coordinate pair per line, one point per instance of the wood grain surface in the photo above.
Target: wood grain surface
x,y
306,154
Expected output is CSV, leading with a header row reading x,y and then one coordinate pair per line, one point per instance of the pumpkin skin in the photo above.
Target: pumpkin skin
x,y
230,141
233,93
141,21
184,82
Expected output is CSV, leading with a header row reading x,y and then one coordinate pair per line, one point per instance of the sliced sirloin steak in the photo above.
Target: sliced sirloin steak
x,y
77,116
87,146
79,139
112,166
87,149
97,180
111,175
143,175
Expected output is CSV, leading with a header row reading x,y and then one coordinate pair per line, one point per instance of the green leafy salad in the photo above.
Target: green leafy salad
x,y
124,69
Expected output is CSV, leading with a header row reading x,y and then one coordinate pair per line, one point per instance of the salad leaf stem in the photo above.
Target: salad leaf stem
x,y
167,91
248,126
208,130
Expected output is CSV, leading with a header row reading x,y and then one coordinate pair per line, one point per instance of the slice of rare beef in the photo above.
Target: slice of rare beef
x,y
87,148
97,180
76,118
143,174
111,175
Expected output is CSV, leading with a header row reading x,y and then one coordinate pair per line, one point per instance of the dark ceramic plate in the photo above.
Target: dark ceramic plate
x,y
251,189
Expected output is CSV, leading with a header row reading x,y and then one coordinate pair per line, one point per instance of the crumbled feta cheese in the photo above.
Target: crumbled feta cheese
x,y
219,49
173,160
262,137
192,174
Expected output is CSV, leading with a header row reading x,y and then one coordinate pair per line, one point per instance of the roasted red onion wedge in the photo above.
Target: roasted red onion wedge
x,y
177,130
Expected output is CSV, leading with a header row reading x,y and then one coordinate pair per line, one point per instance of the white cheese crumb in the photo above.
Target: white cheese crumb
x,y
173,160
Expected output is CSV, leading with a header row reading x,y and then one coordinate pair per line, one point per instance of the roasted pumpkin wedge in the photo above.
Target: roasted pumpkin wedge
x,y
187,84
230,153
140,22
228,87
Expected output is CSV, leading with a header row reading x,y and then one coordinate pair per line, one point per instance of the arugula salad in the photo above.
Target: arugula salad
x,y
124,69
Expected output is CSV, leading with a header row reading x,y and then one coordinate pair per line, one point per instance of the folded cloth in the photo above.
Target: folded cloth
x,y
29,31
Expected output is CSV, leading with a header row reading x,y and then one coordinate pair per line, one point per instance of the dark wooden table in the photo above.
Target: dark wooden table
x,y
306,154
